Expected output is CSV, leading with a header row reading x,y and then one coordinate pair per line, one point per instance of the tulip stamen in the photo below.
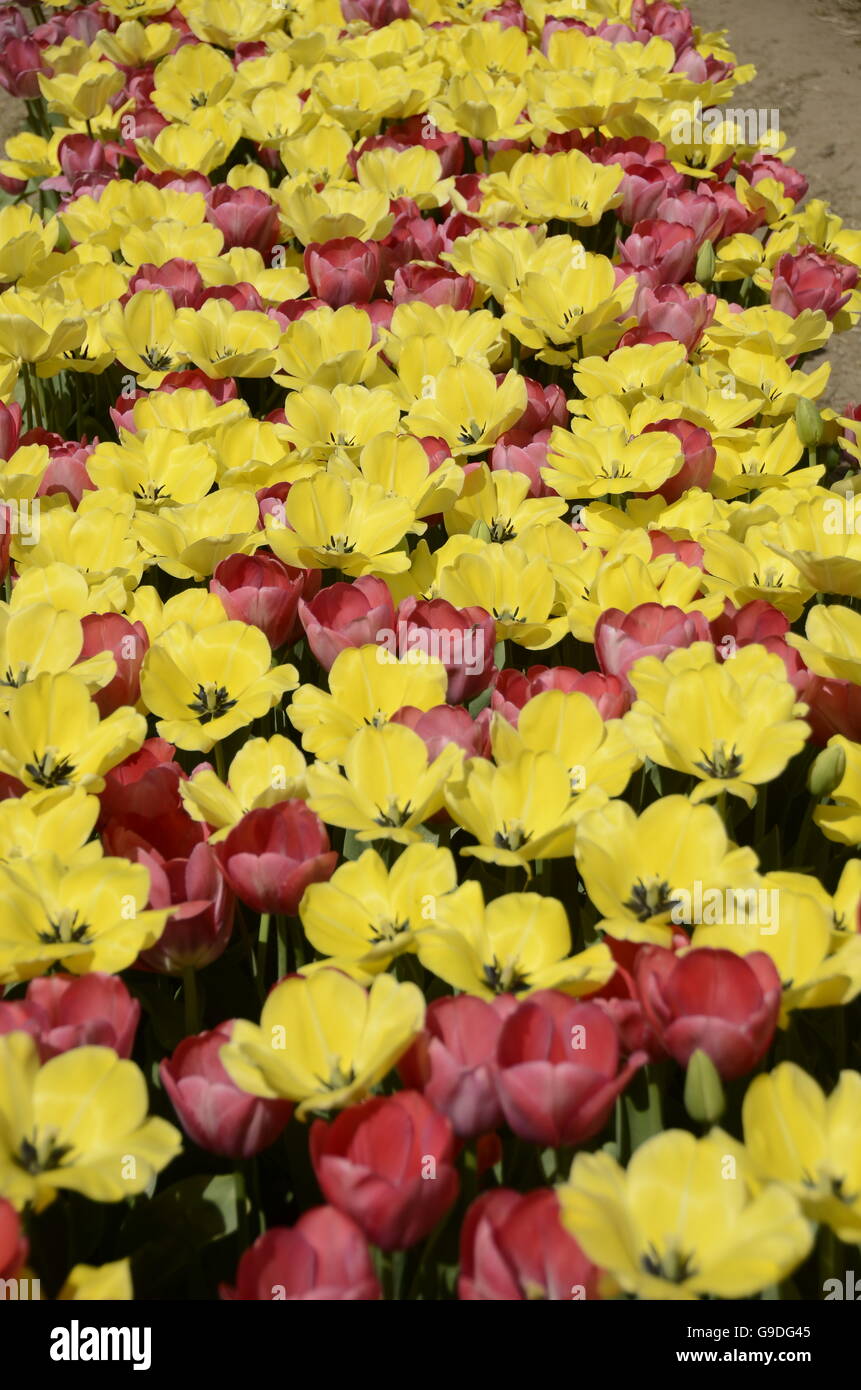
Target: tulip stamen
x,y
157,359
210,701
650,900
49,770
721,764
40,1157
66,930
672,1266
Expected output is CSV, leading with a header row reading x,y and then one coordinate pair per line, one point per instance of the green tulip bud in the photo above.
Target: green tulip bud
x,y
826,771
705,271
704,1097
808,422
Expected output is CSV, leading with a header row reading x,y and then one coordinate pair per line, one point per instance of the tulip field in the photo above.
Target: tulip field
x,y
430,687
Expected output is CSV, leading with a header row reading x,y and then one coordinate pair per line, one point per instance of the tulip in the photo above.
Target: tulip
x,y
463,639
770,166
690,553
323,1258
346,615
514,689
343,271
215,1114
445,724
659,253
376,13
834,707
14,1246
713,1001
128,644
516,451
558,1061
141,795
433,284
199,928
811,280
389,1164
272,854
699,458
453,1061
180,278
244,216
513,1247
66,1011
259,589
10,428
621,639
671,311
20,66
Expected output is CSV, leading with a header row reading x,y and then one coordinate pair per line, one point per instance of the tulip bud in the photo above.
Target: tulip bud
x,y
705,267
704,1097
826,771
480,531
808,422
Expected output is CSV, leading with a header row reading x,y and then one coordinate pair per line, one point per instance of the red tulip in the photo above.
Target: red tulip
x,y
376,13
514,689
323,1258
770,166
513,1247
343,271
141,795
519,452
346,615
834,707
559,1076
545,406
648,630
200,925
713,1000
699,458
10,428
463,639
259,589
659,253
14,1246
388,1163
453,1061
244,216
811,280
128,644
215,1114
272,854
180,278
672,312
445,724
433,284
66,1011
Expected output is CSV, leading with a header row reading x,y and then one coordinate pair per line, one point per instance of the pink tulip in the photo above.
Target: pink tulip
x,y
214,1112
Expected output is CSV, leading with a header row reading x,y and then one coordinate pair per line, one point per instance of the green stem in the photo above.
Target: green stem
x,y
263,948
642,1103
221,762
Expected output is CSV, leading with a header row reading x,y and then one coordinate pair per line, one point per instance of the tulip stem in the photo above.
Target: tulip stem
x,y
220,762
190,1001
263,948
643,1107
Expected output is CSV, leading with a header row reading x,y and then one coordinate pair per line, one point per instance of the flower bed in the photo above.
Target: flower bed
x,y
430,743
